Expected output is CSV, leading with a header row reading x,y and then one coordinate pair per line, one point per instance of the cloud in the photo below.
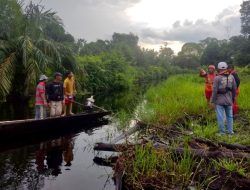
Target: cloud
x,y
99,19
226,24
92,19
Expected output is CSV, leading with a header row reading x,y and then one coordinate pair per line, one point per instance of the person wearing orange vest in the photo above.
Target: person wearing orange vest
x,y
237,80
209,80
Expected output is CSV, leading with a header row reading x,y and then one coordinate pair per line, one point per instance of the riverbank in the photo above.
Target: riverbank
x,y
181,100
181,147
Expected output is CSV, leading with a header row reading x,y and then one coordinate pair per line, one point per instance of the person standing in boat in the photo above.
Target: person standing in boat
x,y
41,102
56,95
69,92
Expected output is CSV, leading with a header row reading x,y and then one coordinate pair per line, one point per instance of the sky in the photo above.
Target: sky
x,y
154,21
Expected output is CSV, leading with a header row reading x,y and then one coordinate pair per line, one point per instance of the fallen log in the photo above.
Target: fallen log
x,y
112,147
138,126
110,161
235,146
215,154
223,144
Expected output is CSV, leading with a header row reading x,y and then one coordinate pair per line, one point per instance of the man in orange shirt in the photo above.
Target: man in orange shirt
x,y
69,92
209,80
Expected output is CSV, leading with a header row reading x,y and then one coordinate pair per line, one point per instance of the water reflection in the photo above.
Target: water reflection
x,y
51,155
64,162
61,163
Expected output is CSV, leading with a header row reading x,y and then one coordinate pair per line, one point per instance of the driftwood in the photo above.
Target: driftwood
x,y
110,161
195,152
138,126
222,144
215,154
112,147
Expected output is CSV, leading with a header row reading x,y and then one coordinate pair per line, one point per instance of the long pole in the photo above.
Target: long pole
x,y
83,105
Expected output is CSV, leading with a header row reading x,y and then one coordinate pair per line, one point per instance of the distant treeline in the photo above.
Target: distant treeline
x,y
33,41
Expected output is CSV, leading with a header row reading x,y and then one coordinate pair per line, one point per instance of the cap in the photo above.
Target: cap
x,y
57,74
211,67
222,65
43,77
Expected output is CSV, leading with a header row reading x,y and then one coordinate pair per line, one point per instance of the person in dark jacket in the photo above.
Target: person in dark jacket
x,y
224,91
237,80
56,95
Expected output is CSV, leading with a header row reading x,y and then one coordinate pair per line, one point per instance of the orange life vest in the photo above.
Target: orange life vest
x,y
209,80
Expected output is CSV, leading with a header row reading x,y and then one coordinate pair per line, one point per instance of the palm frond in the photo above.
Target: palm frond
x,y
7,72
67,54
31,75
41,59
50,17
50,49
24,46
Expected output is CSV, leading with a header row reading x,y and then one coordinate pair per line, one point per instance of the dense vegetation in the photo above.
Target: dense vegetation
x,y
179,125
33,41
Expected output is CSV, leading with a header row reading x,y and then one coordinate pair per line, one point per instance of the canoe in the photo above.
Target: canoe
x,y
31,127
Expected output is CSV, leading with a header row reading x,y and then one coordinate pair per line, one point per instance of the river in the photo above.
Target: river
x,y
64,162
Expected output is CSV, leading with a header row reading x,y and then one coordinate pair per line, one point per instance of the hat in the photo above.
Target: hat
x,y
211,67
57,74
222,65
43,77
91,99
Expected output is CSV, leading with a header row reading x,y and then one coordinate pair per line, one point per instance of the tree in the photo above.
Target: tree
x,y
191,49
29,54
187,62
127,45
240,48
93,48
11,18
245,18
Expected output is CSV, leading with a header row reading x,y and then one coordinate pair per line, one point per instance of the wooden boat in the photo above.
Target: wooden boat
x,y
32,127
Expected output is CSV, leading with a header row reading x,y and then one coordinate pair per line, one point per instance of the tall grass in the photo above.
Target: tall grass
x,y
174,98
170,169
244,95
183,95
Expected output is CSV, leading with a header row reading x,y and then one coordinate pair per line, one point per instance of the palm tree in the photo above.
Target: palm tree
x,y
26,56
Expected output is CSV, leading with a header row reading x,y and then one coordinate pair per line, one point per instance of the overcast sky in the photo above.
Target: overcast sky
x,y
154,21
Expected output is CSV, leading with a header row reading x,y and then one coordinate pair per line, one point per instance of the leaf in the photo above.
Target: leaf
x,y
7,71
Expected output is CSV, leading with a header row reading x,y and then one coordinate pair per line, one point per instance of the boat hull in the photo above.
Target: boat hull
x,y
30,127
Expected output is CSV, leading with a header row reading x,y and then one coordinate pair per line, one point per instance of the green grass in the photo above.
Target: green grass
x,y
150,163
182,96
230,165
174,98
177,100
